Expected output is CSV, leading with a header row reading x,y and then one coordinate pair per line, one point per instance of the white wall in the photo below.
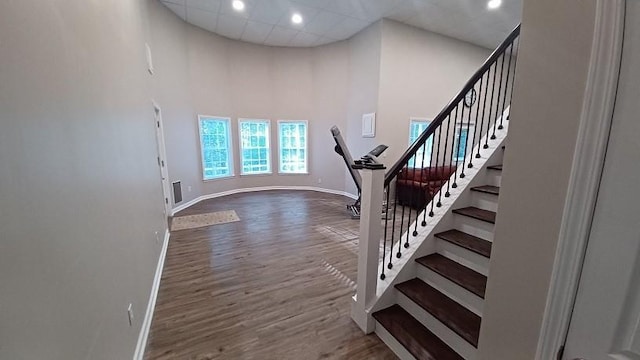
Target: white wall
x,y
79,184
550,81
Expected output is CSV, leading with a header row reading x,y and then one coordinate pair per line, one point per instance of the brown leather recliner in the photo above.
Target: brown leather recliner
x,y
416,187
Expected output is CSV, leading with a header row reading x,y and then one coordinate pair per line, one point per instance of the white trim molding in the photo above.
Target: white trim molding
x,y
261,188
151,305
586,171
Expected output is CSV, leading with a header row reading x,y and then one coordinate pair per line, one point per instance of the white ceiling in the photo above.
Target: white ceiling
x,y
269,21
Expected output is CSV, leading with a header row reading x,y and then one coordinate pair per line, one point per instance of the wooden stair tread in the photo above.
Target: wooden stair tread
x,y
456,272
495,167
467,241
458,318
416,338
477,213
488,189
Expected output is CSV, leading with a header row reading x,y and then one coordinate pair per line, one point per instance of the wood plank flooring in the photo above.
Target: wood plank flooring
x,y
276,285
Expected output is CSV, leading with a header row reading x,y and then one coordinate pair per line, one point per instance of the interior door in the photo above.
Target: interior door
x,y
606,318
162,161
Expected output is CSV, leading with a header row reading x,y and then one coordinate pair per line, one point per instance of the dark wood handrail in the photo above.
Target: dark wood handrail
x,y
439,119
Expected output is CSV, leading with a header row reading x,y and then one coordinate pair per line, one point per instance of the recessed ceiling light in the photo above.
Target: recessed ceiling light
x,y
494,4
296,18
238,5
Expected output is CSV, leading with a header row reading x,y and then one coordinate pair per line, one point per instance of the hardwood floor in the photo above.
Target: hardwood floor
x,y
275,285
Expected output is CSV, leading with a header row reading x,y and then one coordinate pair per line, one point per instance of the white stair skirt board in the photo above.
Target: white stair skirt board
x,y
443,220
151,305
262,188
468,258
392,343
475,227
442,331
485,201
454,291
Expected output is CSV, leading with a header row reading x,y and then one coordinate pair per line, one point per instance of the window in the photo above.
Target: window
x,y
255,153
293,146
215,147
417,127
462,138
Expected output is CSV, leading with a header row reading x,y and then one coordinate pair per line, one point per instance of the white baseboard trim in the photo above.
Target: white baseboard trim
x,y
148,316
261,188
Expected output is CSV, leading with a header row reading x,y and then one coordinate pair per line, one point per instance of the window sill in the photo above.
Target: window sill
x,y
219,178
257,174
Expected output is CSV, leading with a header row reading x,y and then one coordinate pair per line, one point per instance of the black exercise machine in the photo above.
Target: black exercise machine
x,y
370,158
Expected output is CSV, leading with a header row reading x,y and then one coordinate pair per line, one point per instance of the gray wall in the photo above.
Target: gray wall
x,y
203,73
548,95
364,85
328,85
420,73
251,81
79,184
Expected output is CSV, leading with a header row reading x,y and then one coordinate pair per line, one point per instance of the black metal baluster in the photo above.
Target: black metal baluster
x,y
444,159
484,108
386,227
475,128
393,226
406,245
466,140
495,123
515,65
399,254
433,142
455,173
506,86
439,203
493,90
423,207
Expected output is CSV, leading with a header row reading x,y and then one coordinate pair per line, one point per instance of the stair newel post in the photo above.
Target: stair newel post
x,y
368,247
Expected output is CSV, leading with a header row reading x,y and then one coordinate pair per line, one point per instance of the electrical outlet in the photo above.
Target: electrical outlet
x,y
319,180
130,314
157,237
189,188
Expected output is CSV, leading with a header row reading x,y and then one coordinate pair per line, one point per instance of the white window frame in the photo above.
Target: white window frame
x,y
229,147
268,143
413,120
306,147
471,129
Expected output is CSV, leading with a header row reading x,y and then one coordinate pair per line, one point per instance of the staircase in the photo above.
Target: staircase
x,y
440,309
422,274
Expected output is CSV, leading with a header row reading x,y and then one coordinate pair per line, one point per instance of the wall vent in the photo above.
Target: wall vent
x,y
177,192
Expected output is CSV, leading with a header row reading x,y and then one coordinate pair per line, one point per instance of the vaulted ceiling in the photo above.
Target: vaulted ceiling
x,y
269,22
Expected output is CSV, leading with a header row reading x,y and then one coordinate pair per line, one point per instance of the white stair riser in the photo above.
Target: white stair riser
x,y
484,200
494,177
392,343
454,291
473,261
475,227
448,336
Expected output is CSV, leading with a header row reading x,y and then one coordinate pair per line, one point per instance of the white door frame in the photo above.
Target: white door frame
x,y
586,171
162,158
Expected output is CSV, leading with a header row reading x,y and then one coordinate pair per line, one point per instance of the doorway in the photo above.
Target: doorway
x,y
162,159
